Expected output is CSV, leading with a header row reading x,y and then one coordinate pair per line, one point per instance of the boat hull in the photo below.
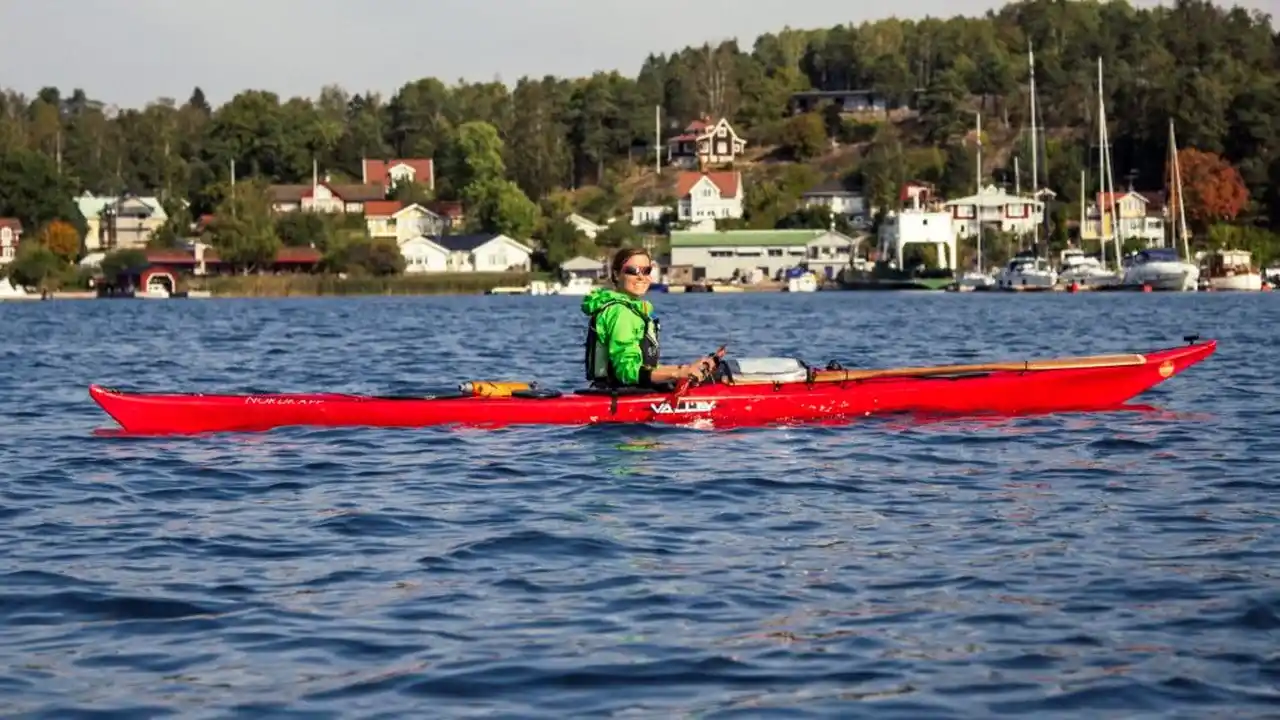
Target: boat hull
x,y
1240,282
1164,276
1004,391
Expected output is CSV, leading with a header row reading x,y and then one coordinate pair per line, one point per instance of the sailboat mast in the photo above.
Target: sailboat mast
x,y
977,173
1082,218
1177,184
1035,176
1107,182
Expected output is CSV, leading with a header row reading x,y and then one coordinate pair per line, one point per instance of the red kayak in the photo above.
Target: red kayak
x,y
747,391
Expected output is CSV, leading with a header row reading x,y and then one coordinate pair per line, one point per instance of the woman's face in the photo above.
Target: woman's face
x,y
633,278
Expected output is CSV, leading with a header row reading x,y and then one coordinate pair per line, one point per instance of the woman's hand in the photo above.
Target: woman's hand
x,y
699,369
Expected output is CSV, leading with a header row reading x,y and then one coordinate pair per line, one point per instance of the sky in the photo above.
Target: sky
x,y
130,52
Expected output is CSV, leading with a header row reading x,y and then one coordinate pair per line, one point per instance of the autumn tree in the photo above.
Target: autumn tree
x,y
60,238
1212,189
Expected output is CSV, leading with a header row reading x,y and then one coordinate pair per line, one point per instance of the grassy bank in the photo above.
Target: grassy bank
x,y
314,285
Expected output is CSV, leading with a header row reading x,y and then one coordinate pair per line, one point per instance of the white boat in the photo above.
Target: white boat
x,y
576,286
1160,269
974,280
1232,270
802,283
1084,270
1026,271
9,291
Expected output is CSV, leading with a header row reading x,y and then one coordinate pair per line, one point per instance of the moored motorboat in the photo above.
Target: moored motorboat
x,y
746,391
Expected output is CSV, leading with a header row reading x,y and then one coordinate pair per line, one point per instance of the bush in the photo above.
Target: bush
x,y
312,285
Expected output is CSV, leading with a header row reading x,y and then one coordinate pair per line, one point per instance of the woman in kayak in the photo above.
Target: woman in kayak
x,y
623,334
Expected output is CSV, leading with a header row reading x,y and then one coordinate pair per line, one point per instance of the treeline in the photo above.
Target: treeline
x,y
1214,72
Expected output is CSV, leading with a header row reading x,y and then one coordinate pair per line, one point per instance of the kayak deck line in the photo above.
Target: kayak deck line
x,y
1084,383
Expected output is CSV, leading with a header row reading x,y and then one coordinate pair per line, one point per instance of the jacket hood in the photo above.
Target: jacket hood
x,y
597,299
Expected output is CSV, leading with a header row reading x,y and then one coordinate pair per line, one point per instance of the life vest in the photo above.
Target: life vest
x,y
600,371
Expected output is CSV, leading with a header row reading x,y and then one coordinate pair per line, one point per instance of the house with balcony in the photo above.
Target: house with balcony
x,y
1141,215
10,236
993,209
120,222
704,143
704,197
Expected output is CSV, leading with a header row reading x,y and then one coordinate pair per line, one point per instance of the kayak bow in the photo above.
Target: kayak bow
x,y
753,391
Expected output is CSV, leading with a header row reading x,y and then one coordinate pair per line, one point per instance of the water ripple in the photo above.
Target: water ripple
x,y
1108,564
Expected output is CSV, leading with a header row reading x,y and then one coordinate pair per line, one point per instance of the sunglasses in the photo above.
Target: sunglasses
x,y
646,271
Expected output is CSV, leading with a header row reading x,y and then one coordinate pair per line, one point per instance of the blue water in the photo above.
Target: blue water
x,y
1105,565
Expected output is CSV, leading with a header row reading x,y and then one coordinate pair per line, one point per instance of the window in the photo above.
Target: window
x,y
774,252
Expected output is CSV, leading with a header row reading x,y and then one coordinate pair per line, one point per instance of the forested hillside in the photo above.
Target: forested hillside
x,y
1214,72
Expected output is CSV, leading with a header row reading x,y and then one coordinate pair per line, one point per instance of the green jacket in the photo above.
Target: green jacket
x,y
622,343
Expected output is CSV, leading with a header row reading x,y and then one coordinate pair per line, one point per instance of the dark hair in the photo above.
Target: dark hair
x,y
621,257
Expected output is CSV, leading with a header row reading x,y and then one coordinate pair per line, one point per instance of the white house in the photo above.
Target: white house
x,y
485,252
704,143
10,235
643,214
834,196
994,209
585,225
423,255
391,218
708,195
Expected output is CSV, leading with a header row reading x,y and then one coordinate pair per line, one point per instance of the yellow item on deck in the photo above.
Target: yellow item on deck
x,y
490,388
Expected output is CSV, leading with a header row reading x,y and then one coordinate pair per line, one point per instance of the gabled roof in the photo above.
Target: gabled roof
x,y
468,243
726,180
582,262
349,193
413,206
1105,198
749,238
703,127
12,223
374,171
429,240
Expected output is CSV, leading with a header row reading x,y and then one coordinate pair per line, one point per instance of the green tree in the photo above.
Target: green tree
x,y
805,136
243,231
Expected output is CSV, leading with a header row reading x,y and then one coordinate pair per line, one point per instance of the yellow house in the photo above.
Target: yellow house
x,y
120,222
1141,215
